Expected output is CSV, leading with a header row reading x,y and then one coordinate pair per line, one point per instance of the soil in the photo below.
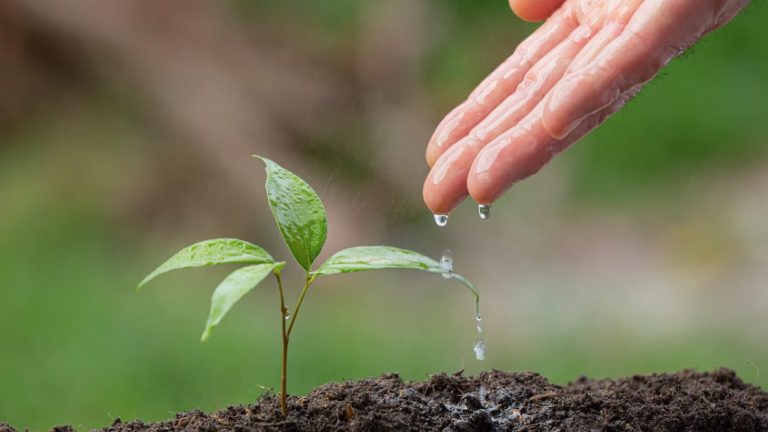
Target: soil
x,y
495,401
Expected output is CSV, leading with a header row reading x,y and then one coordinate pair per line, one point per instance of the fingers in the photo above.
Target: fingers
x,y
657,31
445,186
534,10
523,150
501,135
501,83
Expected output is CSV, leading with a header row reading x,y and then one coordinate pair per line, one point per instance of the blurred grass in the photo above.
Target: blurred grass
x,y
80,347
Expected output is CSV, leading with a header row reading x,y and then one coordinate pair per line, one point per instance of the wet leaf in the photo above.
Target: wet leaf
x,y
233,288
212,252
364,258
299,213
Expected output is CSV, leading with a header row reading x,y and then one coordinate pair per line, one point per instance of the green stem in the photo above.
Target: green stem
x,y
307,283
284,372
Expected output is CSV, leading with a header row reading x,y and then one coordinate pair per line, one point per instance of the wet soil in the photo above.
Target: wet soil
x,y
496,401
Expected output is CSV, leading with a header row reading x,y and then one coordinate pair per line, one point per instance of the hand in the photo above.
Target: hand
x,y
582,65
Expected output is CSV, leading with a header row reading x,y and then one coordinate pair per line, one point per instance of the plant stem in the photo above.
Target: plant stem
x,y
307,283
284,372
287,334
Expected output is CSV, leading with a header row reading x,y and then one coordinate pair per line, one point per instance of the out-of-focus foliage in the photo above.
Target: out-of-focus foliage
x,y
126,129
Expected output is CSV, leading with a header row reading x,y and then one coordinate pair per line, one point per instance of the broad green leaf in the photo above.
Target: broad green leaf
x,y
211,252
299,213
233,288
363,258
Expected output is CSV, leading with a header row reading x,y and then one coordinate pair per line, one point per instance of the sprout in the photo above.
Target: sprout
x,y
301,218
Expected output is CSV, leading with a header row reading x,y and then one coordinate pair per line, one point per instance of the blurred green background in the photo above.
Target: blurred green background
x,y
125,133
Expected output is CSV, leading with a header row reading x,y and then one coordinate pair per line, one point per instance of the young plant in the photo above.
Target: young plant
x,y
301,218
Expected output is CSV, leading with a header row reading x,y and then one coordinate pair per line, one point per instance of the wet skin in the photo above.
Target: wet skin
x,y
582,65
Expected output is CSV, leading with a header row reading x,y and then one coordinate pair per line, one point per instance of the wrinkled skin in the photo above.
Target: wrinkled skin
x,y
582,65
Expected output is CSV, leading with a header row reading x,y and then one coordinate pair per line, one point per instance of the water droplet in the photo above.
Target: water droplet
x,y
484,211
480,349
480,343
287,315
479,320
446,260
441,220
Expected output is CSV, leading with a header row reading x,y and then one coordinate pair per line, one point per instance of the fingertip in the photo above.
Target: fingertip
x,y
478,188
534,10
446,184
438,202
481,184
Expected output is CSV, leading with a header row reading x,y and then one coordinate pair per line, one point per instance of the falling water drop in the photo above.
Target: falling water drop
x,y
441,220
446,260
480,349
484,211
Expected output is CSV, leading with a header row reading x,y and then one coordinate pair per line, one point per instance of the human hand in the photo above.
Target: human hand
x,y
582,65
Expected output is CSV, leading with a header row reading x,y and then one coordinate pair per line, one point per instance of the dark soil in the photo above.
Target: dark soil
x,y
497,401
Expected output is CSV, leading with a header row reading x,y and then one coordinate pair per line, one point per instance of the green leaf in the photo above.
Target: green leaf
x,y
212,252
299,213
363,258
233,288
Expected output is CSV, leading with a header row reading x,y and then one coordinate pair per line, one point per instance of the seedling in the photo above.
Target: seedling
x,y
301,218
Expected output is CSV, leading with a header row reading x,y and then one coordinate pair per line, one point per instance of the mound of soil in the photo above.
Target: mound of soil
x,y
497,401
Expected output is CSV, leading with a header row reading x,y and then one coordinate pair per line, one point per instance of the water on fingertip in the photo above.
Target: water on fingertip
x,y
441,220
